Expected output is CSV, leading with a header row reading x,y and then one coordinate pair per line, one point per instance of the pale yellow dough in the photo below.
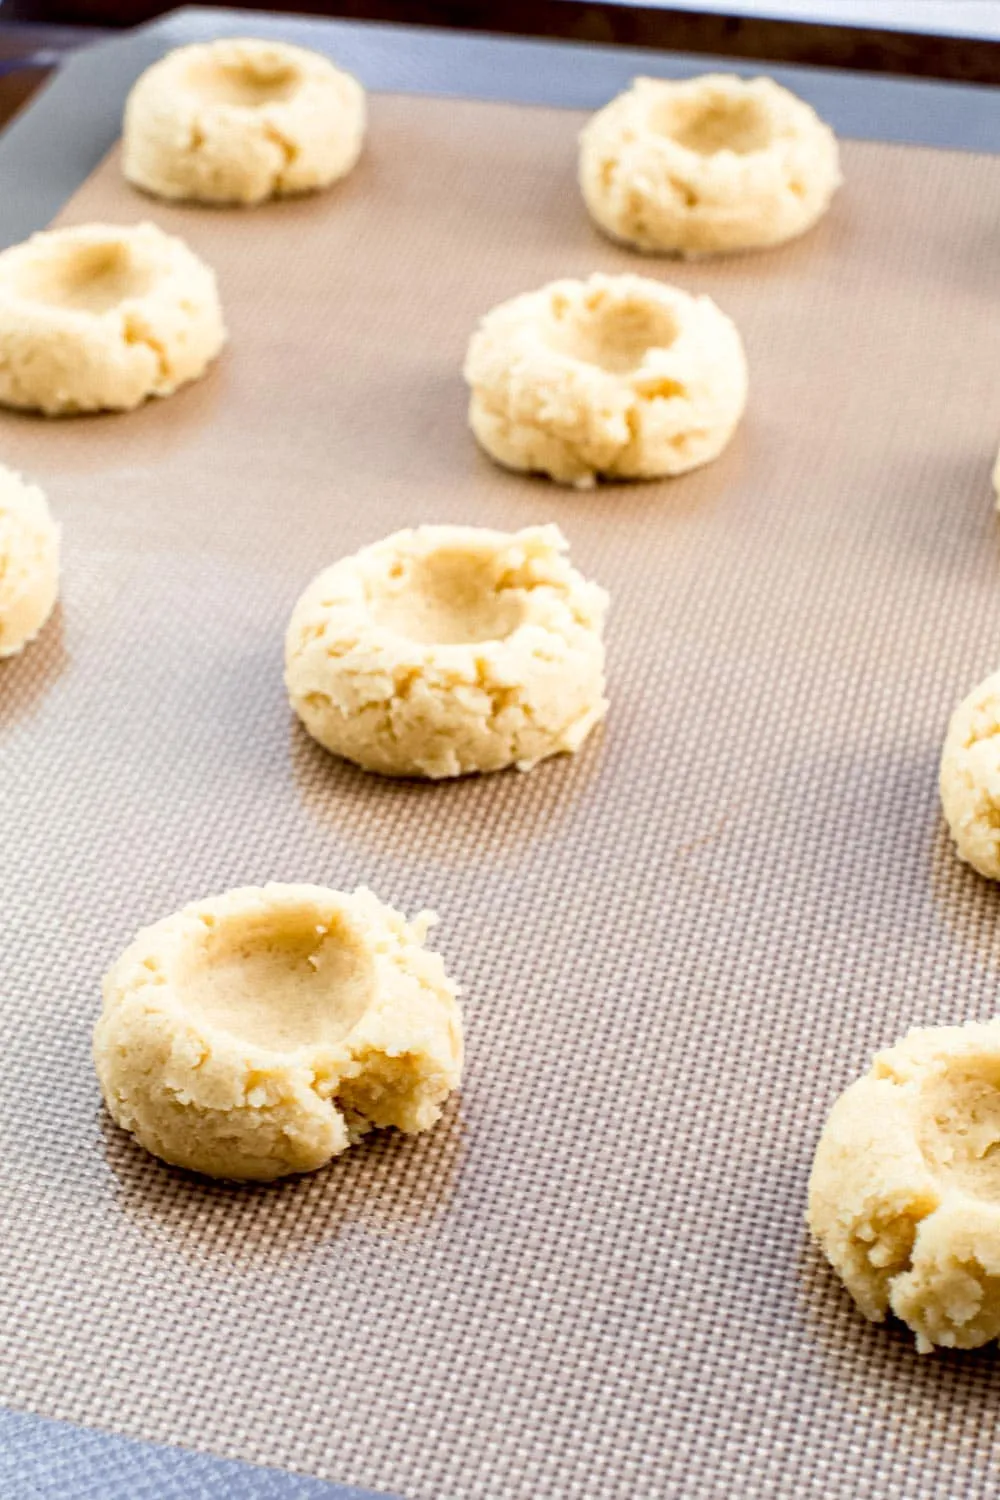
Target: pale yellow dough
x,y
103,316
708,165
29,562
449,650
241,121
970,777
619,377
262,1032
904,1196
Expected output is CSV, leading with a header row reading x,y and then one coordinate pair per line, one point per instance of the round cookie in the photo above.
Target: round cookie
x,y
98,318
262,1032
449,650
904,1196
970,777
707,165
240,122
618,377
29,562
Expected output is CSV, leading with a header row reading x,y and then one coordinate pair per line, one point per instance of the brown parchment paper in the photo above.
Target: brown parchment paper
x,y
592,1279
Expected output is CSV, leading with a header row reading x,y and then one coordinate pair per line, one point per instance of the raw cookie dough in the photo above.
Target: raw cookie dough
x,y
101,317
707,165
29,562
617,376
448,650
970,777
241,121
904,1196
262,1032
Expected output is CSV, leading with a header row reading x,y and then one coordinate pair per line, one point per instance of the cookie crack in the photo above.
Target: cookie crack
x,y
289,150
140,337
982,735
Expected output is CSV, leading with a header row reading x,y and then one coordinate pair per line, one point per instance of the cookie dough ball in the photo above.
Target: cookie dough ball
x,y
904,1196
101,317
448,650
709,165
29,562
618,377
970,777
241,121
261,1033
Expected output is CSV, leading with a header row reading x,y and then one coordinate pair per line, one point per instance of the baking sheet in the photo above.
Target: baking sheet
x,y
593,1276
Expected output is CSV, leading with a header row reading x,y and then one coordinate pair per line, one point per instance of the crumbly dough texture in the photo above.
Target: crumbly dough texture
x,y
29,562
103,316
449,650
241,121
970,777
708,165
904,1196
619,377
261,1033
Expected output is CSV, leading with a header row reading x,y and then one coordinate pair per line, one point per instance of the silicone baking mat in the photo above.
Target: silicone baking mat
x,y
592,1278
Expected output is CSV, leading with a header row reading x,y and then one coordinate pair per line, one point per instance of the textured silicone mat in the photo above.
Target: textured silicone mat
x,y
592,1278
